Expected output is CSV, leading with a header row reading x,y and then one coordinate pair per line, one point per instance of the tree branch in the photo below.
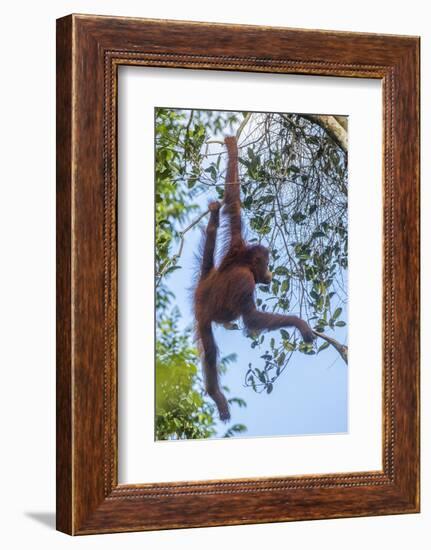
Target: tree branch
x,y
332,127
342,349
341,120
242,125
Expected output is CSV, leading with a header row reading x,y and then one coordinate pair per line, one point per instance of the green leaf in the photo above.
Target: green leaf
x,y
288,346
298,217
323,346
313,140
267,199
281,358
281,270
172,268
285,286
337,313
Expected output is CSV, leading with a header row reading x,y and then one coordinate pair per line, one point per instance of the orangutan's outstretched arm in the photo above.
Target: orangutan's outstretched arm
x,y
262,320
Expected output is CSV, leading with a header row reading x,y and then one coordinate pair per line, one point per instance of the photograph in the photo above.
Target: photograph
x,y
251,274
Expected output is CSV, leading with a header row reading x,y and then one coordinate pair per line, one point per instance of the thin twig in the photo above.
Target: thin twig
x,y
242,125
215,141
172,261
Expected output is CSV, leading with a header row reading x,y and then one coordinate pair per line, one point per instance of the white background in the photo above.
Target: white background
x,y
141,458
27,117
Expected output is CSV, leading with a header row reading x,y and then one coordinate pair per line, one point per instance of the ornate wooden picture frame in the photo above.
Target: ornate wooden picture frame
x,y
89,51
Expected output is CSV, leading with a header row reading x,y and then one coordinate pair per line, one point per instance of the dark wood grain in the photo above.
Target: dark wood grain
x,y
64,289
90,49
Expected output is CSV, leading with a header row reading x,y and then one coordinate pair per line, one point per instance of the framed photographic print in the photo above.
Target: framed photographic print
x,y
237,274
